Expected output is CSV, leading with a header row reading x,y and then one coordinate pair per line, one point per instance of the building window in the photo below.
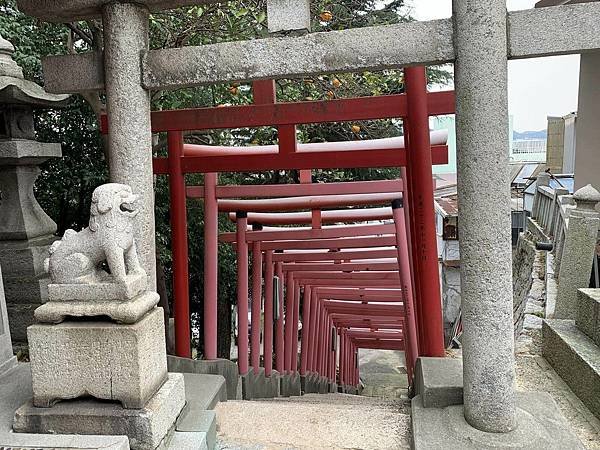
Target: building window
x,y
450,232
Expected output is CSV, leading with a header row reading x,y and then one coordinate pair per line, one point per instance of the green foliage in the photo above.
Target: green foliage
x,y
65,186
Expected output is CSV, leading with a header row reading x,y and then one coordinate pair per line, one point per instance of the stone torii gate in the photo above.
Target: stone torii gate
x,y
479,39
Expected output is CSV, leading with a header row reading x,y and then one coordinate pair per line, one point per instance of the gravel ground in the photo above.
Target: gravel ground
x,y
330,421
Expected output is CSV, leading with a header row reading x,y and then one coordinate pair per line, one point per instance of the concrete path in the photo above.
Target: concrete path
x,y
383,373
329,421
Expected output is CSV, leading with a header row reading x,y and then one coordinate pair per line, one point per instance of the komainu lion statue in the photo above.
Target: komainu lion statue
x,y
79,256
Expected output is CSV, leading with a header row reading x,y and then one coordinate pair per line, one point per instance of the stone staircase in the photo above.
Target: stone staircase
x,y
572,347
314,421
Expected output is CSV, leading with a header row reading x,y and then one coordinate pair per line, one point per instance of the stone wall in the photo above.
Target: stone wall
x,y
525,257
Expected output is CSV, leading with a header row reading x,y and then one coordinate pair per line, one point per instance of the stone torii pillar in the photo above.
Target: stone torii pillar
x,y
128,107
484,214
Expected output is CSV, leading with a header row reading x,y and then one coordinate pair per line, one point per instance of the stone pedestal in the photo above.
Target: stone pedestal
x,y
124,363
7,359
146,428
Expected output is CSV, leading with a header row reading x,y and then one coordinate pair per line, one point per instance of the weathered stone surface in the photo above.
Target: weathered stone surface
x,y
223,367
186,440
290,385
146,427
576,358
257,385
480,39
7,358
15,390
288,16
439,381
577,255
553,31
86,72
541,427
588,313
124,363
124,311
131,286
26,152
76,258
128,108
316,53
21,216
204,391
424,43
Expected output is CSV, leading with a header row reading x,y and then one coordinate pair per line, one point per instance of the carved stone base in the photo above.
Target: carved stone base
x,y
125,363
121,311
98,292
146,428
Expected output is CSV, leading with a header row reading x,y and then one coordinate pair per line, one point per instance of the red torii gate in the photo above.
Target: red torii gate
x,y
414,107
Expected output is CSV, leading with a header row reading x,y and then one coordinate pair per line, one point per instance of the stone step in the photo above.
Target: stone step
x,y
439,381
196,427
588,313
223,367
576,359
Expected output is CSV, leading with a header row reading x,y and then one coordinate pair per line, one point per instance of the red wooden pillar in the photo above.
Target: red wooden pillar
x,y
242,291
256,303
211,254
179,244
306,327
289,319
295,328
409,329
423,213
268,336
279,330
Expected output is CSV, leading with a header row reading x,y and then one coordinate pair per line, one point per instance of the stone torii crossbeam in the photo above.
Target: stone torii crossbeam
x,y
479,39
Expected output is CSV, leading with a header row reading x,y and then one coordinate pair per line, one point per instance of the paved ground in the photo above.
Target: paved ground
x,y
330,421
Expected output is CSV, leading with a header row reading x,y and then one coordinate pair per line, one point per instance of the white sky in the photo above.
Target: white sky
x,y
537,87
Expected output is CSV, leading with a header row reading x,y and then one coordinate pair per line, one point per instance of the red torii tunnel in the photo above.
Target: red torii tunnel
x,y
370,281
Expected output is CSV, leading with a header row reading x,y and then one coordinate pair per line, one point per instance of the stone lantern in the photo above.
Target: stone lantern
x,y
26,231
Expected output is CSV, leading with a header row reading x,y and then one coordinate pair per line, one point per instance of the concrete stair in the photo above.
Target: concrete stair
x,y
571,347
196,427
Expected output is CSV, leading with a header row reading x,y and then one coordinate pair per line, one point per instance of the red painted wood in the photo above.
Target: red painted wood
x,y
299,160
338,110
181,306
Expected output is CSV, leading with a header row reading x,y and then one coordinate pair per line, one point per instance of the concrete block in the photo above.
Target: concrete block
x,y
199,421
588,313
323,385
576,358
541,426
257,385
121,311
195,440
146,427
290,385
285,16
204,391
105,360
309,383
439,381
224,367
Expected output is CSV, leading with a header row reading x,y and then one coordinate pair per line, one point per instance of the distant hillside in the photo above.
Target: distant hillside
x,y
529,135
